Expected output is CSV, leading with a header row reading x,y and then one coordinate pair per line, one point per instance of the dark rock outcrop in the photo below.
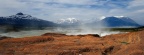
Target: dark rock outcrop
x,y
4,37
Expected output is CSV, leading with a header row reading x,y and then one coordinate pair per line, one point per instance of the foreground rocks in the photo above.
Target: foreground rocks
x,y
4,37
61,44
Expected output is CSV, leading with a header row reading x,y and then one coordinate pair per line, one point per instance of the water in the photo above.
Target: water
x,y
29,33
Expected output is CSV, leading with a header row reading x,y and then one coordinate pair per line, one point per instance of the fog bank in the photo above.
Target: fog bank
x,y
67,31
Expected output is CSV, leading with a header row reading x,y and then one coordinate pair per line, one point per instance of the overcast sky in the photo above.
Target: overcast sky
x,y
80,9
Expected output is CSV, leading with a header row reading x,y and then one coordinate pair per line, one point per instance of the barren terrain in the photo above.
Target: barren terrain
x,y
60,44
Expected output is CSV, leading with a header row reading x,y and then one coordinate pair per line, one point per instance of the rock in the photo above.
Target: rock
x,y
94,35
19,13
4,37
53,34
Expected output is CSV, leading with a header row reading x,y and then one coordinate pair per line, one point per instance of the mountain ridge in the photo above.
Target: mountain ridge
x,y
119,21
25,20
21,20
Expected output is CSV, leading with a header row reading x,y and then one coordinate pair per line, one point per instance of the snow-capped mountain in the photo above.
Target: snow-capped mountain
x,y
68,21
113,21
22,16
120,17
24,20
119,21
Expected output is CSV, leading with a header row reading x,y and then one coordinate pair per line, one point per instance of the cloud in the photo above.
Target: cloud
x,y
136,3
82,9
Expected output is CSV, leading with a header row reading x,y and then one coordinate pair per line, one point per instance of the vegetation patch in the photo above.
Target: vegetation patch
x,y
125,43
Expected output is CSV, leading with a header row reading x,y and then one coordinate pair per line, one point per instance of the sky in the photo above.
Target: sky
x,y
53,10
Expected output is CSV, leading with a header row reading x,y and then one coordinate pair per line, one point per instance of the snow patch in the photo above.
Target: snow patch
x,y
67,20
103,17
119,16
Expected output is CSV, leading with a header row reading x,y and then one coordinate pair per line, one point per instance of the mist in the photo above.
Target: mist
x,y
79,30
58,30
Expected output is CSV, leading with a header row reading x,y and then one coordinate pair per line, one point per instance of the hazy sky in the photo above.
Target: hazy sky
x,y
80,9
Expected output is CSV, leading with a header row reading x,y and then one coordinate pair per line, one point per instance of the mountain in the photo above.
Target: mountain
x,y
113,21
21,20
119,21
69,22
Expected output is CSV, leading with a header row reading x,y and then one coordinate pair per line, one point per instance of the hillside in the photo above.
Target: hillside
x,y
60,44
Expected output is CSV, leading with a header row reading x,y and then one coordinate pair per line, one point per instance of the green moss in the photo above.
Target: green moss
x,y
125,43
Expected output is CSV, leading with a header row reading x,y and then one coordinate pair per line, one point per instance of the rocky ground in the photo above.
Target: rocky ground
x,y
60,44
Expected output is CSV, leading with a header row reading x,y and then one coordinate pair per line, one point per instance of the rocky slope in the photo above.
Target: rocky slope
x,y
60,44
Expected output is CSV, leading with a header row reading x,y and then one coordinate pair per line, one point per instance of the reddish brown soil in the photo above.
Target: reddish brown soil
x,y
61,44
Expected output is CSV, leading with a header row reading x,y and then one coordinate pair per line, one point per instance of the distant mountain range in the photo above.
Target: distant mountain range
x,y
69,22
119,21
113,21
21,20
